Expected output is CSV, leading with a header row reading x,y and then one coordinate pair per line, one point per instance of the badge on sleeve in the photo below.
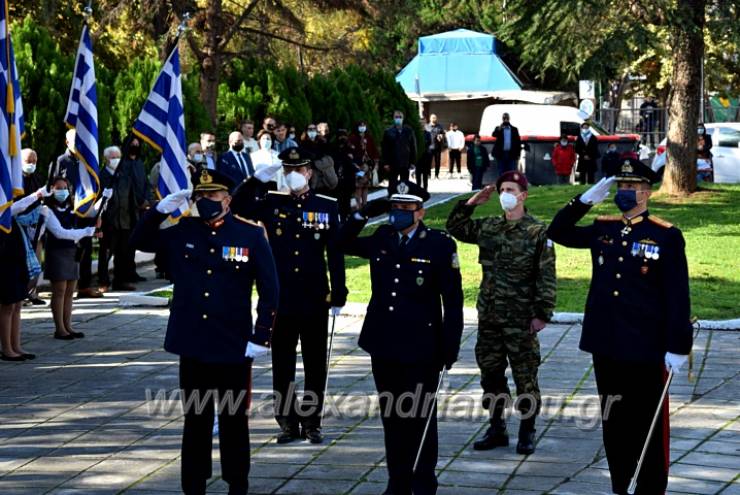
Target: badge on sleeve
x,y
455,261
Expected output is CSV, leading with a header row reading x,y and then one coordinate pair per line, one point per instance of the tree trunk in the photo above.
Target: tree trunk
x,y
210,74
683,106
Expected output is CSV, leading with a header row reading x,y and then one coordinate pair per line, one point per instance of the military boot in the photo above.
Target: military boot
x,y
495,436
525,446
288,432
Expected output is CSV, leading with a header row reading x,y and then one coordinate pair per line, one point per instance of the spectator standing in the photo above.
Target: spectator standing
x,y
236,163
195,158
208,144
703,143
424,167
266,156
648,119
62,267
323,178
399,151
508,145
67,164
478,162
563,159
344,166
455,143
250,144
269,124
282,140
29,218
587,149
438,142
611,161
366,159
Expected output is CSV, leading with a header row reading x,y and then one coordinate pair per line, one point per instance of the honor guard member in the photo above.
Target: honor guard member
x,y
214,259
412,327
636,321
303,228
515,302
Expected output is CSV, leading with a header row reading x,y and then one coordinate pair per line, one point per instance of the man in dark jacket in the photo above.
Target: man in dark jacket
x,y
438,142
587,149
508,145
478,162
399,151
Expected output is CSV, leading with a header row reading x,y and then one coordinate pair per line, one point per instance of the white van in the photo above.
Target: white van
x,y
537,120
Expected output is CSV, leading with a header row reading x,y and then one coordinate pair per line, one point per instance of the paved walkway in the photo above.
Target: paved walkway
x,y
77,419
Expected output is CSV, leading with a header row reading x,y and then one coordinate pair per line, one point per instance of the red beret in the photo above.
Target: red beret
x,y
513,176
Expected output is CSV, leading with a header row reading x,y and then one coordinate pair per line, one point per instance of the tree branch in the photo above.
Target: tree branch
x,y
288,40
237,23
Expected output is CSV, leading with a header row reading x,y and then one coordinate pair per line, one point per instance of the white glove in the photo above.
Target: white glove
x,y
43,192
255,350
267,172
107,193
44,211
598,192
336,310
675,361
89,231
173,201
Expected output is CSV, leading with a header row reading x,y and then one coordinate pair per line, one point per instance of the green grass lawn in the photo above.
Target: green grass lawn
x,y
709,219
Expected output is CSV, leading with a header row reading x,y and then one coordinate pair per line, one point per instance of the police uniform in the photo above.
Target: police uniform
x,y
518,285
303,232
412,329
637,310
214,267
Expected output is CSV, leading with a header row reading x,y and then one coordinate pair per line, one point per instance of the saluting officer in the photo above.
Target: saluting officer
x,y
415,275
214,259
303,229
515,302
636,321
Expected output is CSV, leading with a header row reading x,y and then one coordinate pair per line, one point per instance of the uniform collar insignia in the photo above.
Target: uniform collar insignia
x,y
205,177
627,167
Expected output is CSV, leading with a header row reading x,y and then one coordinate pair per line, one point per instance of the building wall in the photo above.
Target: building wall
x,y
466,113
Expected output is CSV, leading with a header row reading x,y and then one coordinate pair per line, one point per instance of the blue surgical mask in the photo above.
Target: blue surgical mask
x,y
398,120
362,128
625,199
61,195
401,219
208,209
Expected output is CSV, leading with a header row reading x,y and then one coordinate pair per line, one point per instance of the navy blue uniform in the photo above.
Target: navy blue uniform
x,y
238,168
412,328
637,310
303,232
213,268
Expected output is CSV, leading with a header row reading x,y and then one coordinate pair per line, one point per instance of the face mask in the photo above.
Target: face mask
x,y
612,149
311,135
198,157
563,142
585,131
508,201
625,199
295,181
700,131
505,123
398,120
208,209
401,219
210,145
238,146
133,150
362,129
29,168
61,195
270,127
291,136
266,144
114,163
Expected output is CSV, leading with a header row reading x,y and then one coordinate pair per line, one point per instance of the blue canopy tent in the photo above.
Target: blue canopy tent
x,y
456,65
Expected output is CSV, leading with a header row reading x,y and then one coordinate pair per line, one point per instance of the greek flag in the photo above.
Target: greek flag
x,y
11,123
161,123
82,116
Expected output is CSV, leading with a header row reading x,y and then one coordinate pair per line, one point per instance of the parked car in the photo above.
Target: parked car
x,y
725,152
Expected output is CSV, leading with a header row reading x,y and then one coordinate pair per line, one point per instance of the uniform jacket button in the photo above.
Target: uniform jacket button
x,y
624,243
616,293
213,250
620,258
213,232
390,308
395,280
398,266
206,294
205,317
209,271
296,269
619,275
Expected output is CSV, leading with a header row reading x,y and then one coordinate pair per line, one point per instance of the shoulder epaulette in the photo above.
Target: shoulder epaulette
x,y
245,220
325,197
279,192
609,218
660,221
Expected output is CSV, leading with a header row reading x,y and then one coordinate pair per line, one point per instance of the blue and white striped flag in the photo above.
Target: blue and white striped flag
x,y
161,123
82,116
11,123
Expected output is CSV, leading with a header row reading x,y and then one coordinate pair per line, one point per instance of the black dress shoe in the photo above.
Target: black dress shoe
x,y
123,287
59,336
12,358
288,434
313,435
493,438
36,301
28,356
77,335
138,278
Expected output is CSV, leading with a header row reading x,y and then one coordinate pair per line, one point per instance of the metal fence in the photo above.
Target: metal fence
x,y
653,125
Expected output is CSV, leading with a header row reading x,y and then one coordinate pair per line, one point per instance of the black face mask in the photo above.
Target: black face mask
x,y
209,209
238,147
133,150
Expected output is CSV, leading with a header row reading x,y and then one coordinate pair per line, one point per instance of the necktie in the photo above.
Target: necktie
x,y
242,165
404,242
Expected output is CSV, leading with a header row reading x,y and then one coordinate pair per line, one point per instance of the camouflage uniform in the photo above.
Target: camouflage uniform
x,y
518,285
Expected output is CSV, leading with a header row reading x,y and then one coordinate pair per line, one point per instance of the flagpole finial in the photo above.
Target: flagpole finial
x,y
87,11
183,24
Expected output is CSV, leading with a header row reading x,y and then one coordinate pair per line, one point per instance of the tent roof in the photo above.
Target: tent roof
x,y
459,62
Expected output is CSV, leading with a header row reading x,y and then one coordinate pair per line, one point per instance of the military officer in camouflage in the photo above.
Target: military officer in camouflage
x,y
515,302
636,323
